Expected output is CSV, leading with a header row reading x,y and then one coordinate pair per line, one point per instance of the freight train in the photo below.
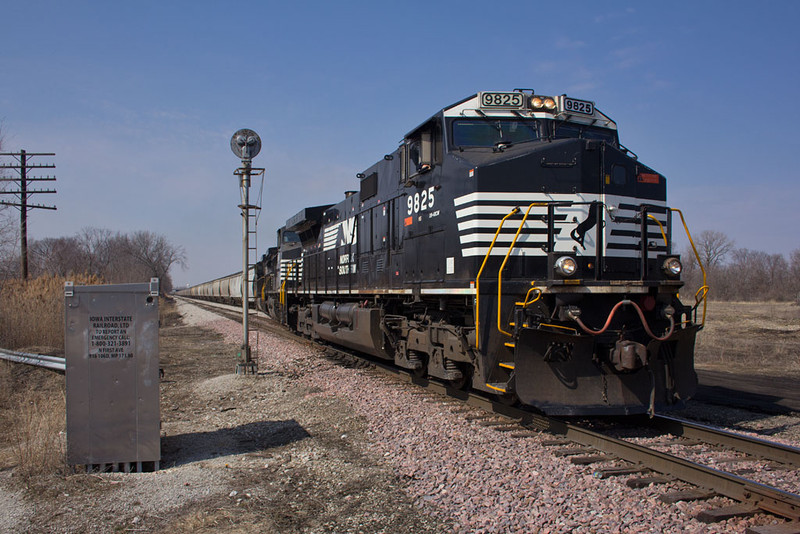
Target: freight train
x,y
510,244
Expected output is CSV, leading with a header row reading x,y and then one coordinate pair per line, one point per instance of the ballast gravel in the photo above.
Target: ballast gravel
x,y
480,479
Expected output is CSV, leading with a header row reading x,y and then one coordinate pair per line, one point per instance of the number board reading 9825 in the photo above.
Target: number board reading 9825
x,y
502,100
573,105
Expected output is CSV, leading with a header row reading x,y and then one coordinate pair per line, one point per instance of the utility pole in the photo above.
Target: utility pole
x,y
246,144
23,194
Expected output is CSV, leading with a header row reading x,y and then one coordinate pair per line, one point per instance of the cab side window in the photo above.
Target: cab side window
x,y
424,149
619,175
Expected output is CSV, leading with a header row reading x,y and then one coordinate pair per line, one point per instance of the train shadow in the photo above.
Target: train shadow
x,y
762,404
192,447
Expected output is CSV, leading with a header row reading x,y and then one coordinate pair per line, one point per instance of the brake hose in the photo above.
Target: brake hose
x,y
574,316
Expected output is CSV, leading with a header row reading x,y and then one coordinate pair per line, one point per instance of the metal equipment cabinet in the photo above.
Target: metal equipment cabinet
x,y
112,374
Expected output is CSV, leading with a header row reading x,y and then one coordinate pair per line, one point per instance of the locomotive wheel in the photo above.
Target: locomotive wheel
x,y
508,399
460,383
421,372
465,380
422,358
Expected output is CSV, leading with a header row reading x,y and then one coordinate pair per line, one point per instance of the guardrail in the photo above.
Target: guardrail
x,y
55,363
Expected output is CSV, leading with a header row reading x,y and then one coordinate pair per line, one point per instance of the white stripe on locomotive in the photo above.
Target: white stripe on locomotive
x,y
529,244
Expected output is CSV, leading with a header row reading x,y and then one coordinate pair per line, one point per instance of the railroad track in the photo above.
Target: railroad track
x,y
585,445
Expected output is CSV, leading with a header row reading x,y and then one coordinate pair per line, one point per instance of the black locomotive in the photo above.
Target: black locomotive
x,y
510,244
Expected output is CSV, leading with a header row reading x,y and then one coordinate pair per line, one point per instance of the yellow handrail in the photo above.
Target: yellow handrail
x,y
525,302
503,266
704,288
559,326
663,233
478,278
282,299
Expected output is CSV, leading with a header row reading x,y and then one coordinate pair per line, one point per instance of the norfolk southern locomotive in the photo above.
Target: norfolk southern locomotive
x,y
510,244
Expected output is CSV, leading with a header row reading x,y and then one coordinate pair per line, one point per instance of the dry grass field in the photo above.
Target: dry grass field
x,y
753,337
32,408
32,400
32,312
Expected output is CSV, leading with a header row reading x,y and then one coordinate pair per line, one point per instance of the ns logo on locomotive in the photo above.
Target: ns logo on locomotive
x,y
510,244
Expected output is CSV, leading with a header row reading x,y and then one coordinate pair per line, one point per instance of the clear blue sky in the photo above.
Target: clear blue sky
x,y
139,101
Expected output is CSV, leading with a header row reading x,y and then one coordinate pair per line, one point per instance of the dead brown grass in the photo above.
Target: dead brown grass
x,y
32,412
763,337
39,430
32,400
32,312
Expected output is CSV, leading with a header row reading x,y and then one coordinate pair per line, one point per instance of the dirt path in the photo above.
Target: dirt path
x,y
239,454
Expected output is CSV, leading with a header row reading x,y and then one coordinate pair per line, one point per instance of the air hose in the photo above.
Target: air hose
x,y
574,315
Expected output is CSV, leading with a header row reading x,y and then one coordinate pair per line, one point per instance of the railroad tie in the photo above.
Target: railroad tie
x,y
785,528
686,495
555,442
713,515
590,459
573,451
523,434
643,482
619,471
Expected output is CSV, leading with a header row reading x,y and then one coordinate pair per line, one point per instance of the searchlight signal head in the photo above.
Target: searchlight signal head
x,y
246,144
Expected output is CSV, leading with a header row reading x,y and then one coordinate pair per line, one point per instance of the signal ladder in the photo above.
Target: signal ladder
x,y
252,237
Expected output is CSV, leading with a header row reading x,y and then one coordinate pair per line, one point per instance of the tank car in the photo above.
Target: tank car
x,y
510,244
226,290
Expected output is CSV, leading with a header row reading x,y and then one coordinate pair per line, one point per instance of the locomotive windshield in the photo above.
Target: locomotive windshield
x,y
565,130
491,132
488,133
290,237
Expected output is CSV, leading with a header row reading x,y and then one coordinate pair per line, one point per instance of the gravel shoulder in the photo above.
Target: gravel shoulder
x,y
309,446
239,454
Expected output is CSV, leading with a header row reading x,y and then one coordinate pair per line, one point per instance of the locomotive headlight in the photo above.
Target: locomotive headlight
x,y
543,102
566,266
672,267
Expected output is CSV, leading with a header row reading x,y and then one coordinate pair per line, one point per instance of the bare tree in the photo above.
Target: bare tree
x,y
794,264
794,274
777,273
97,248
713,247
56,255
156,254
754,275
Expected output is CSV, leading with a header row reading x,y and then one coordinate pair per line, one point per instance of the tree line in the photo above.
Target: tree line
x,y
739,273
116,258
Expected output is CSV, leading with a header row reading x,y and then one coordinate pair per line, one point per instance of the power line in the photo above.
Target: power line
x,y
23,194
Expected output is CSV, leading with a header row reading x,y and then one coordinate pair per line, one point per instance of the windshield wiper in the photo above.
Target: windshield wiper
x,y
501,145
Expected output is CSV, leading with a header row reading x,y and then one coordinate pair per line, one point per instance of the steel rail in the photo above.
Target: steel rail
x,y
54,363
752,446
765,497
